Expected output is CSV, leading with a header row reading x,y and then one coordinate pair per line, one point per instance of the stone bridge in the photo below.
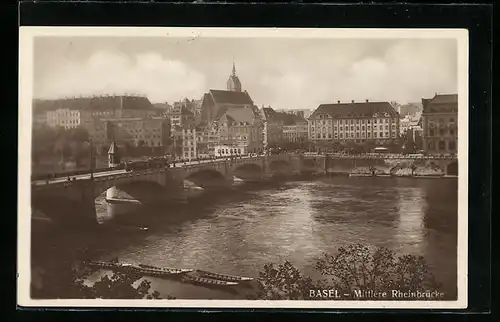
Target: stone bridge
x,y
73,202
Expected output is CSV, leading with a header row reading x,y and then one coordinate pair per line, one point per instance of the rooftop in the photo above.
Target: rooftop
x,y
230,97
126,102
355,110
441,103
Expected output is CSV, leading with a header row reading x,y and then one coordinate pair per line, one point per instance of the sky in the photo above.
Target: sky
x,y
281,72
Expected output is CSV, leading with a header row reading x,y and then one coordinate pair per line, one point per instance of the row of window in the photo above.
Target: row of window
x,y
441,120
229,151
441,132
441,145
352,135
347,128
357,121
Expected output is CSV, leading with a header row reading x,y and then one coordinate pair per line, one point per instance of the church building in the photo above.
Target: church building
x,y
233,115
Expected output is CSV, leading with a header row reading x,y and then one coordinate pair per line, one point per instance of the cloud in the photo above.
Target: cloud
x,y
159,78
283,73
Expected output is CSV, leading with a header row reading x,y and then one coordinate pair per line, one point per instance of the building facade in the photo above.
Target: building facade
x,y
355,122
153,132
180,117
440,124
297,133
189,143
272,132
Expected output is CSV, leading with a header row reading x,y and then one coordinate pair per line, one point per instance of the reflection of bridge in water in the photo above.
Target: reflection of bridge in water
x,y
70,201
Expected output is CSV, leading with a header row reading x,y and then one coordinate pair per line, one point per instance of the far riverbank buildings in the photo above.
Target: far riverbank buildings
x,y
357,122
439,124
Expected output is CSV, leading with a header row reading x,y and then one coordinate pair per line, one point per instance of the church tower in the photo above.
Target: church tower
x,y
233,83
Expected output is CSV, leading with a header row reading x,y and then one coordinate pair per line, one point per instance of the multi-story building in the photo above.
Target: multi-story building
x,y
272,133
180,116
297,133
153,132
357,122
81,111
189,143
439,124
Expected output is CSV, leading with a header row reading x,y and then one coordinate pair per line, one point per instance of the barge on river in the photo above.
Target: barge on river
x,y
206,281
224,277
140,269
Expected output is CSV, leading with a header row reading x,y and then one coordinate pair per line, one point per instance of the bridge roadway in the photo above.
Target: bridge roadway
x,y
86,176
338,156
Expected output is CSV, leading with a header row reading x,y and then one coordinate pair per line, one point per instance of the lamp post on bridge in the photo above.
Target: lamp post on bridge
x,y
91,146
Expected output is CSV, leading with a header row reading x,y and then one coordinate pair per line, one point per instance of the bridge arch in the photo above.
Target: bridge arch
x,y
61,210
207,178
309,163
132,188
248,171
280,166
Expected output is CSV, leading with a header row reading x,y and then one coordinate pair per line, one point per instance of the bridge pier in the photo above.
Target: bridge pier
x,y
117,206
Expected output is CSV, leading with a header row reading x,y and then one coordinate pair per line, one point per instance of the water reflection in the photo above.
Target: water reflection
x,y
410,226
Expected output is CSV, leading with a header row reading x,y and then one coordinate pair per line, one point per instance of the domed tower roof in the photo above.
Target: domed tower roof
x,y
233,83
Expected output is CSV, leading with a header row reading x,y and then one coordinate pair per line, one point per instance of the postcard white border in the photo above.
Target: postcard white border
x,y
26,38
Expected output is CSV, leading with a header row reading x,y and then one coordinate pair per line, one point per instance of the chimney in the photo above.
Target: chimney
x,y
352,101
338,102
367,101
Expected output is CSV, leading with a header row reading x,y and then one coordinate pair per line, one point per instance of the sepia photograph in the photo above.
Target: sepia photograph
x,y
243,167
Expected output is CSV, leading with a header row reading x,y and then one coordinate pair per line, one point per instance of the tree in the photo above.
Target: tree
x,y
283,282
69,283
355,267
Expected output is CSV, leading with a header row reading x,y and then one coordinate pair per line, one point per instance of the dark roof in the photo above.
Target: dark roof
x,y
95,103
230,97
441,103
355,110
269,113
238,114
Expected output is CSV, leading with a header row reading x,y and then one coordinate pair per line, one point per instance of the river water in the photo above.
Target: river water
x,y
239,231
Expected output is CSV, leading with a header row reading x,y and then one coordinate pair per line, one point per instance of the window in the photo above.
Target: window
x,y
386,133
369,134
442,145
452,120
329,135
341,136
363,128
381,134
357,134
452,145
375,134
357,128
431,132
452,132
369,121
387,127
